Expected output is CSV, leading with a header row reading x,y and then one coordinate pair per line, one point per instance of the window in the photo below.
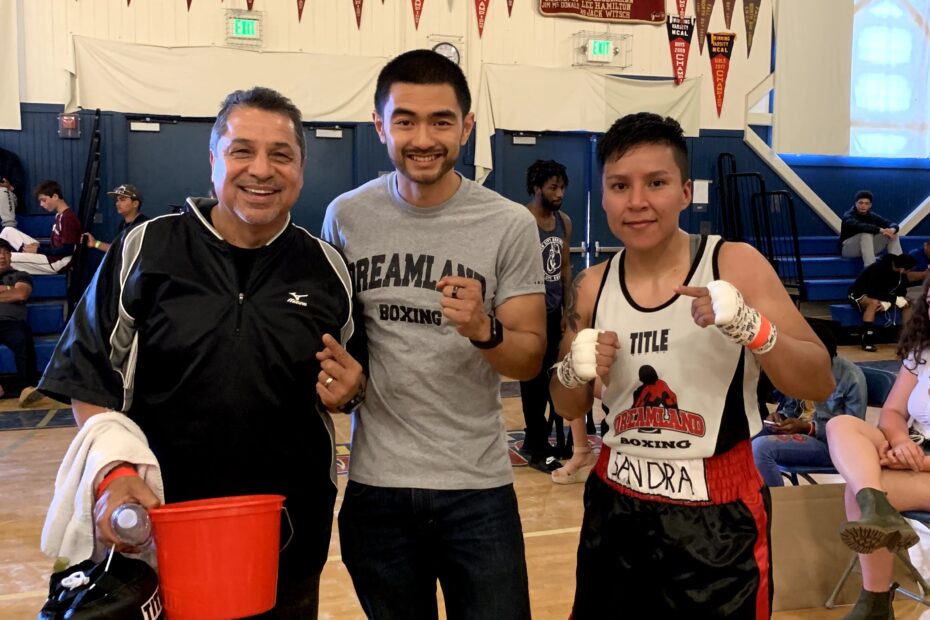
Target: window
x,y
889,101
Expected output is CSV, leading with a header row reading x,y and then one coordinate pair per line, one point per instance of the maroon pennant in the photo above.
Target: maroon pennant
x,y
481,12
510,8
127,2
249,3
751,15
358,13
728,12
702,11
300,9
417,10
681,9
679,41
720,48
189,5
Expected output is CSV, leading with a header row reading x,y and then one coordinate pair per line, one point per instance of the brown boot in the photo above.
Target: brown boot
x,y
873,605
880,525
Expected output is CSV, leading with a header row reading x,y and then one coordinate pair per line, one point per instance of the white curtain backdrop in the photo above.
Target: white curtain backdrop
x,y
812,76
509,98
193,81
9,67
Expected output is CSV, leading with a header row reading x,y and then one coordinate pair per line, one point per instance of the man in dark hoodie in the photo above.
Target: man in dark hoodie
x,y
865,233
880,286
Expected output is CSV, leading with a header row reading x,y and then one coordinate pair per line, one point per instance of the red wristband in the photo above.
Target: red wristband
x,y
116,472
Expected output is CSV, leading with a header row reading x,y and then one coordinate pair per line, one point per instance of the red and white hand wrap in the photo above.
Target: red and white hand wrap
x,y
579,366
740,323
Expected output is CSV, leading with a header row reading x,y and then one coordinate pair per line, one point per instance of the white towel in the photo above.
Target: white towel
x,y
105,439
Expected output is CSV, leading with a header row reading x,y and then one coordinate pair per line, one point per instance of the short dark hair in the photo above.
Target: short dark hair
x,y
263,99
827,336
644,128
6,245
903,260
541,171
48,188
422,67
863,193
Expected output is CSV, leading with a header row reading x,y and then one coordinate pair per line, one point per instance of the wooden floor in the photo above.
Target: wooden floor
x,y
551,517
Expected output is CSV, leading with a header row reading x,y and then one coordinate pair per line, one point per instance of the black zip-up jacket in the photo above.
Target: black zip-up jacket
x,y
880,281
220,378
868,222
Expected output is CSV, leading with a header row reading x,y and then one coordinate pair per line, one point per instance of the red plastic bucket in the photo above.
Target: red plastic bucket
x,y
218,558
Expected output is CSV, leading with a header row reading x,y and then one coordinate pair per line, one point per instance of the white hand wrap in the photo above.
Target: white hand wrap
x,y
580,364
900,302
886,305
740,323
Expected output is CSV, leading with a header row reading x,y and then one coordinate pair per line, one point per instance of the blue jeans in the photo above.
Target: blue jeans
x,y
771,449
397,542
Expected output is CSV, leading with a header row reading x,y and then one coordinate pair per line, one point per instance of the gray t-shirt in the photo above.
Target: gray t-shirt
x,y
432,416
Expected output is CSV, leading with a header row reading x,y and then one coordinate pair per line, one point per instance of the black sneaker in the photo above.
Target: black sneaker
x,y
545,464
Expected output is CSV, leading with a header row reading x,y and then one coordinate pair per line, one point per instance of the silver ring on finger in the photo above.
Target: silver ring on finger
x,y
328,381
455,292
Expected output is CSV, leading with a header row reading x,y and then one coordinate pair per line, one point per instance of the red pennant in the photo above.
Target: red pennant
x,y
681,9
249,3
751,16
127,2
300,9
510,8
417,10
189,5
719,49
481,12
702,11
728,12
358,13
679,41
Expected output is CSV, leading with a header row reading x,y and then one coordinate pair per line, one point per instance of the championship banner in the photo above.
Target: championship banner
x,y
481,12
720,48
509,8
417,9
702,11
728,6
358,13
647,11
751,15
682,4
300,9
679,41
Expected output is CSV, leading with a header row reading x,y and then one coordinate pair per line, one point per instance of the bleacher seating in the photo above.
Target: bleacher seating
x,y
47,307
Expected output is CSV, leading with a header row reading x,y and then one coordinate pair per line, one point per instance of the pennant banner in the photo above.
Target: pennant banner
x,y
719,49
751,15
702,11
649,11
451,2
189,5
679,41
481,12
358,13
682,4
728,12
509,8
300,9
249,3
417,9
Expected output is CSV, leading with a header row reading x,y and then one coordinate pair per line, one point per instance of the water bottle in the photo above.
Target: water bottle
x,y
131,524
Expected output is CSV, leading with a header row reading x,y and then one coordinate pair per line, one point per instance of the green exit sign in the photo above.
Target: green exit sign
x,y
245,28
599,50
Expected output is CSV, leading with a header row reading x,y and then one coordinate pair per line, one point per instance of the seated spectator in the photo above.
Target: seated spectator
x,y
789,439
919,271
46,258
877,288
128,205
14,330
886,468
12,179
865,233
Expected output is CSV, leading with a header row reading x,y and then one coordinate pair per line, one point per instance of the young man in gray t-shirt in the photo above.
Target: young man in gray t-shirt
x,y
450,279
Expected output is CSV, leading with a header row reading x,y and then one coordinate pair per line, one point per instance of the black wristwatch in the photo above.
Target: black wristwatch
x,y
497,335
353,404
